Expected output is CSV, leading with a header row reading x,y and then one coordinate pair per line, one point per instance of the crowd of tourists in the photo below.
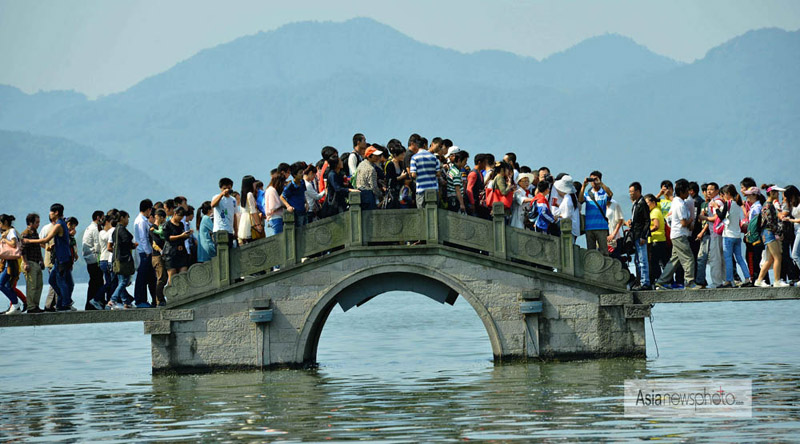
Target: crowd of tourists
x,y
685,236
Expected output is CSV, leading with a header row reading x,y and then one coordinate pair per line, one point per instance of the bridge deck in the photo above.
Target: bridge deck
x,y
716,295
95,317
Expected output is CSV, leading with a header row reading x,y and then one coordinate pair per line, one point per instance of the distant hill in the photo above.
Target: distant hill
x,y
39,171
607,103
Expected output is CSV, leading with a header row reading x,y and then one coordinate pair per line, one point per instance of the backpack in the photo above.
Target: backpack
x,y
753,235
719,224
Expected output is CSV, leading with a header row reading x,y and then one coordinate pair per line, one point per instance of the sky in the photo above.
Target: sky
x,y
99,47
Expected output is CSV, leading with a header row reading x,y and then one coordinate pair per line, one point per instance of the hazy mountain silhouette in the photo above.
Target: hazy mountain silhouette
x,y
607,103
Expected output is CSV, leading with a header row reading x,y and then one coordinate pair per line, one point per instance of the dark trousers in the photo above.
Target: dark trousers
x,y
96,286
789,271
160,269
61,280
659,256
144,275
752,254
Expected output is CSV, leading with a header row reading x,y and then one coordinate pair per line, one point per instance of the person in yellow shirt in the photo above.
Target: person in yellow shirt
x,y
659,251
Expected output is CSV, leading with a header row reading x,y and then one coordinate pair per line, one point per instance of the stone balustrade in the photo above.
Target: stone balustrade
x,y
358,229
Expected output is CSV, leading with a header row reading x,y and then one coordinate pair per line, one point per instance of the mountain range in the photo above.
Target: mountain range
x,y
607,103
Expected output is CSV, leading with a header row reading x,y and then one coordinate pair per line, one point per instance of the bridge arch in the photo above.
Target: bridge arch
x,y
361,286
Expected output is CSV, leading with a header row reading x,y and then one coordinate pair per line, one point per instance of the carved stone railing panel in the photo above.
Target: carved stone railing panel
x,y
537,248
594,266
393,225
260,255
198,279
322,235
459,229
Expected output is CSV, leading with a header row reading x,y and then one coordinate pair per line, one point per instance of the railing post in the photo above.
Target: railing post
x,y
566,243
499,231
355,237
430,207
221,263
290,242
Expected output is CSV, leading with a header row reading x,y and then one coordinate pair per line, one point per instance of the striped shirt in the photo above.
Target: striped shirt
x,y
425,165
595,213
453,181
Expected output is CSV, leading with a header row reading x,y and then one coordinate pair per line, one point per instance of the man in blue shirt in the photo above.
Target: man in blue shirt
x,y
596,197
294,194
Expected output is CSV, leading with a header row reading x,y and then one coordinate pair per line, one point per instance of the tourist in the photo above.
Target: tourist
x,y
327,152
522,201
789,269
294,193
354,158
569,207
106,256
250,226
175,256
33,264
544,217
313,197
615,221
502,188
772,234
681,250
791,198
122,245
731,214
141,236
159,264
596,198
336,200
511,159
639,224
475,189
273,206
753,251
206,248
700,233
224,205
12,249
367,180
260,195
715,257
92,248
406,198
61,277
396,173
455,193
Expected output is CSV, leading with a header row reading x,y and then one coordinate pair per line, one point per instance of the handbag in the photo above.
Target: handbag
x,y
127,268
7,252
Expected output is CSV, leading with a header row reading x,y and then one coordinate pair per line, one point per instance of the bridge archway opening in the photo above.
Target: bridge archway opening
x,y
399,322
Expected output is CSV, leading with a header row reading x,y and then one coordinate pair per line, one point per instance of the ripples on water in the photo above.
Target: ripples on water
x,y
401,368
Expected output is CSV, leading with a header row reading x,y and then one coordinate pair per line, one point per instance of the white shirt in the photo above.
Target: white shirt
x,y
141,234
614,215
48,256
110,240
519,208
224,213
103,240
678,213
568,210
732,221
312,195
555,203
91,244
12,235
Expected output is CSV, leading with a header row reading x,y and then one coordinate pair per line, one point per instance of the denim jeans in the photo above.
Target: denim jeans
x,y
123,282
5,286
732,249
143,277
61,279
300,219
274,226
368,200
642,263
110,279
702,260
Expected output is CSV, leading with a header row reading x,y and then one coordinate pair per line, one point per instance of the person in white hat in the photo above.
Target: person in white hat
x,y
569,207
522,201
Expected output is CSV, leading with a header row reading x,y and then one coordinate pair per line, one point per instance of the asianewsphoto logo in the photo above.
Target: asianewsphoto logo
x,y
688,397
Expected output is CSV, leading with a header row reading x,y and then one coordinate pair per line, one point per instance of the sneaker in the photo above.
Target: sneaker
x,y
64,309
746,284
143,305
781,283
117,306
692,287
50,309
127,306
737,283
677,286
14,309
662,287
726,285
35,310
96,305
762,284
641,288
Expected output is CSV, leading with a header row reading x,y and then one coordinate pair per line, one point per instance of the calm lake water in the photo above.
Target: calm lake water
x,y
401,368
